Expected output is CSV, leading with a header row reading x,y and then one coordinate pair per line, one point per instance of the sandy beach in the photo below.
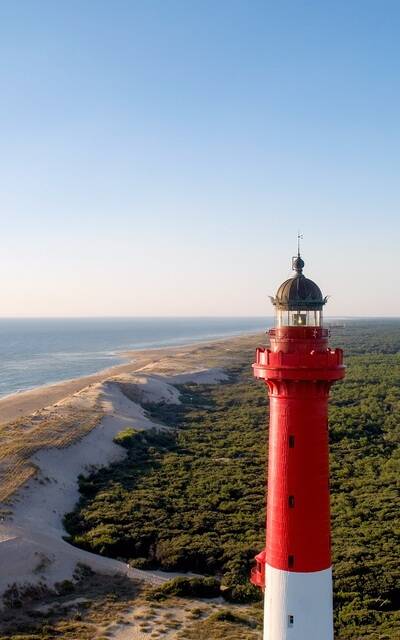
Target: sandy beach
x,y
52,434
173,358
24,403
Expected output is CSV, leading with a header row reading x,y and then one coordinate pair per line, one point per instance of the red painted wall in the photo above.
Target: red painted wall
x,y
298,370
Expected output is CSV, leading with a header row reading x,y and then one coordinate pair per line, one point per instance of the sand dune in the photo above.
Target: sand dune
x,y
32,548
169,360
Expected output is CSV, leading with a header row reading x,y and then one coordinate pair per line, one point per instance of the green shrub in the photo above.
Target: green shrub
x,y
226,615
127,437
140,563
187,587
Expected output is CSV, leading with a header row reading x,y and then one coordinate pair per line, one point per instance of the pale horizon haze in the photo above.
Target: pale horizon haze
x,y
158,158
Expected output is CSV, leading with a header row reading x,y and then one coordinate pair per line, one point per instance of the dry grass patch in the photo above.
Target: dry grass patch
x,y
235,623
218,630
57,427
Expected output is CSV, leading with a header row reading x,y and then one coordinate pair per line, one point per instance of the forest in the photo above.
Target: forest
x,y
193,498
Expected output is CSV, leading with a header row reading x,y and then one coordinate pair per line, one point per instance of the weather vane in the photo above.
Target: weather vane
x,y
299,237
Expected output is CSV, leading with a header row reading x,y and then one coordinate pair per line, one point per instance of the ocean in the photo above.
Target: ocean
x,y
34,352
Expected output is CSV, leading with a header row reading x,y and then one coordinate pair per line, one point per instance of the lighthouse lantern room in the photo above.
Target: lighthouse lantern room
x,y
299,368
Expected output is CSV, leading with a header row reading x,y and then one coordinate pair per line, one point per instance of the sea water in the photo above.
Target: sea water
x,y
34,352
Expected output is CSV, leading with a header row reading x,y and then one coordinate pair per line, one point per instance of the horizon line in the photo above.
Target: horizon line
x,y
183,317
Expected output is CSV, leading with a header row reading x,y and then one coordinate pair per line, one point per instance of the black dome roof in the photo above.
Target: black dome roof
x,y
299,292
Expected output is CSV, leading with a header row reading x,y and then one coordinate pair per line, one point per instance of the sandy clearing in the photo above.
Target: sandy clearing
x,y
140,623
143,620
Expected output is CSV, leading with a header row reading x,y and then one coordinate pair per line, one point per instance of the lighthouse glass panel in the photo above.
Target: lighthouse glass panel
x,y
299,318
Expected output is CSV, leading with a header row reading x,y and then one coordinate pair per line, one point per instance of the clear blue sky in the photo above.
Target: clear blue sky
x,y
158,156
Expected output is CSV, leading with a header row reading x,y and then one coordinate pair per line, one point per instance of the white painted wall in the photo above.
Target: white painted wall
x,y
305,596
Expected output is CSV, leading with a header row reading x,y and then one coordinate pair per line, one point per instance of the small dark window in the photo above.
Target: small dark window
x,y
291,562
291,442
290,620
291,502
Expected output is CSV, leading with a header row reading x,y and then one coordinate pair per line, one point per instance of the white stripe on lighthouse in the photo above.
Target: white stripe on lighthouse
x,y
298,606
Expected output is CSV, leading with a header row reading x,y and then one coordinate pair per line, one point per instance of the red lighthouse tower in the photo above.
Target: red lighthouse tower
x,y
299,368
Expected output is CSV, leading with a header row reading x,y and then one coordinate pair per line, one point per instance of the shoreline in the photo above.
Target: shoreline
x,y
32,362
22,403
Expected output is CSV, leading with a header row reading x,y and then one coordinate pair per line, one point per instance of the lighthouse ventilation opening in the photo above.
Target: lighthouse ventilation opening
x,y
290,621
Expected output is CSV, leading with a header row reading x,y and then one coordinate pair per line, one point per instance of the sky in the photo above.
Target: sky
x,y
158,157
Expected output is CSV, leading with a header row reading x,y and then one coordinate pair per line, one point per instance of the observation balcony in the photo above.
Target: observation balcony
x,y
312,365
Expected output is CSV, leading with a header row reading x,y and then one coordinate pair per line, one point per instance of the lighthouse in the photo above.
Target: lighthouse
x,y
295,569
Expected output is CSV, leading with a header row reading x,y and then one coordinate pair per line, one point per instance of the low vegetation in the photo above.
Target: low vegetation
x,y
183,587
223,624
97,607
72,610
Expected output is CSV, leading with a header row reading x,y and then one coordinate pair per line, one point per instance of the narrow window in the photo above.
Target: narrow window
x,y
291,562
291,502
290,620
291,442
